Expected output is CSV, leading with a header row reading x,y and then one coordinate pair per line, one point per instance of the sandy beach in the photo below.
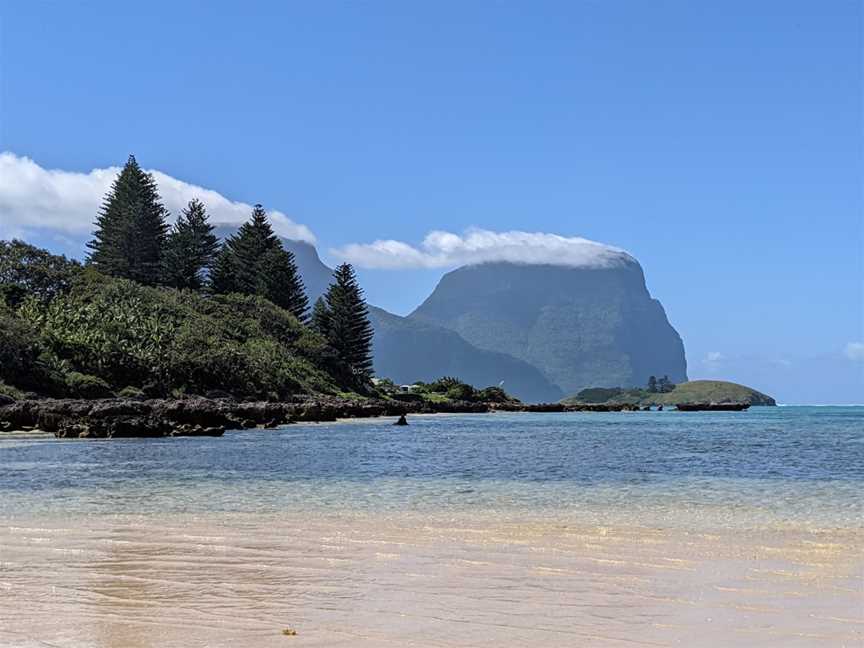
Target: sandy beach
x,y
410,580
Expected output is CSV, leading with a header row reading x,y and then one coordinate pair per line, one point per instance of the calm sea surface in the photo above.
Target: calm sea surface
x,y
801,466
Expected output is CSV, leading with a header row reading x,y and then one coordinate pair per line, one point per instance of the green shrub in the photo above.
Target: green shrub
x,y
495,395
462,392
87,386
12,392
131,392
28,271
20,351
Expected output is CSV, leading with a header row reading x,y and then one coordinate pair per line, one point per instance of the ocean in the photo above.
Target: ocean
x,y
458,530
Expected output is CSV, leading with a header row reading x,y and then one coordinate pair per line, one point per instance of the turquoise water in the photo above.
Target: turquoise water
x,y
778,466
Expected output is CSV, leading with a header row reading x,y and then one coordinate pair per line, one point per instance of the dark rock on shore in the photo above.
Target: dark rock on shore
x,y
194,416
114,418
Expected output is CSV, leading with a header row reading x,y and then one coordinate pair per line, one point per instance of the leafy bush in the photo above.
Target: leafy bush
x,y
11,392
28,271
20,354
87,386
450,388
495,395
462,392
131,392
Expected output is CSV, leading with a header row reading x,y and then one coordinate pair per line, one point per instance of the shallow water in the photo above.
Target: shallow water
x,y
532,529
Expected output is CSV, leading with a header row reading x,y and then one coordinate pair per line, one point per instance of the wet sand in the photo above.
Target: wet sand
x,y
378,580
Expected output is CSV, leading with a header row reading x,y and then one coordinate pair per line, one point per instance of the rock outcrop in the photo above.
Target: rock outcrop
x,y
580,326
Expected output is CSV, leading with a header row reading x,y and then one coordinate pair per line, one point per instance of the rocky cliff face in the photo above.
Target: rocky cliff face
x,y
580,326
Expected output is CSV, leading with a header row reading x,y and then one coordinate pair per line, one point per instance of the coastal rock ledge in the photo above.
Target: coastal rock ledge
x,y
120,417
113,418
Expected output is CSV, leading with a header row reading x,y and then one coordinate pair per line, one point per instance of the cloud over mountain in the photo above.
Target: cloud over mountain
x,y
33,198
441,249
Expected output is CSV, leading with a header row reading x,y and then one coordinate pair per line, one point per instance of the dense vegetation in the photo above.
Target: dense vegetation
x,y
164,311
446,388
104,335
695,391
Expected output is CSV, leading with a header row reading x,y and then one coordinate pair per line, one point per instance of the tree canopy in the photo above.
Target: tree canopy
x,y
131,228
343,318
253,262
190,249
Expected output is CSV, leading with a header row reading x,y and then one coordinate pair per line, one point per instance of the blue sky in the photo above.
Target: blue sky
x,y
719,143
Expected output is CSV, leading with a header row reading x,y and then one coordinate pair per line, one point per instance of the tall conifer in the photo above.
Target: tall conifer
x,y
191,248
253,262
281,282
130,228
349,330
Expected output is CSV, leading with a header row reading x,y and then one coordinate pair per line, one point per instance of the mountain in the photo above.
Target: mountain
x,y
406,351
588,326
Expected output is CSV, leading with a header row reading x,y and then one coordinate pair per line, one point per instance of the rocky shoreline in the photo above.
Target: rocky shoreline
x,y
199,416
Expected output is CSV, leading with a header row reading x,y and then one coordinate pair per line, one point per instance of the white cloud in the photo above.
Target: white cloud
x,y
713,360
444,249
854,351
33,198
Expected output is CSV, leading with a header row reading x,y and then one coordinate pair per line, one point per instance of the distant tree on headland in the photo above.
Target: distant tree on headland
x,y
130,228
652,384
190,249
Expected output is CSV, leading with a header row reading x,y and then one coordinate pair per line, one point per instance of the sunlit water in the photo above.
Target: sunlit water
x,y
476,530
